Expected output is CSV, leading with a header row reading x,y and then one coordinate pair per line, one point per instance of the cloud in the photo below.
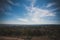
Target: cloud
x,y
36,15
55,9
15,4
10,2
23,20
40,12
22,23
50,5
33,3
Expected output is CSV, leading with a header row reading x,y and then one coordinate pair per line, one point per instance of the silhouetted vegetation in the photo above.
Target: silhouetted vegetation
x,y
52,31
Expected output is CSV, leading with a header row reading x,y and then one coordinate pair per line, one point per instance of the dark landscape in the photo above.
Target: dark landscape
x,y
29,32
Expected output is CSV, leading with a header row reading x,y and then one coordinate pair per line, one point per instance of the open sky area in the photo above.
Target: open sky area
x,y
29,11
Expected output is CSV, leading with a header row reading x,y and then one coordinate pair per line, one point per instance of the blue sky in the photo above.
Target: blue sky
x,y
31,12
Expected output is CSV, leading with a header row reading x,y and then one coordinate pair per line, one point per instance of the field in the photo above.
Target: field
x,y
29,32
15,38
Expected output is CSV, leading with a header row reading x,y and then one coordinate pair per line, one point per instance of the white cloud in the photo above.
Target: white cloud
x,y
55,9
50,5
33,3
22,23
37,12
15,4
23,20
36,15
10,1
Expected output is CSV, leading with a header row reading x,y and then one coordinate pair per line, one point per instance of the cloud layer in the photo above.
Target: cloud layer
x,y
36,15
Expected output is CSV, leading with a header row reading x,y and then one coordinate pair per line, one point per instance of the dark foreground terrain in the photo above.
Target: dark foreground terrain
x,y
29,32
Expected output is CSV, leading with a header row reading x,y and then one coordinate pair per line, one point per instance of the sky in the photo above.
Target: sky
x,y
29,12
